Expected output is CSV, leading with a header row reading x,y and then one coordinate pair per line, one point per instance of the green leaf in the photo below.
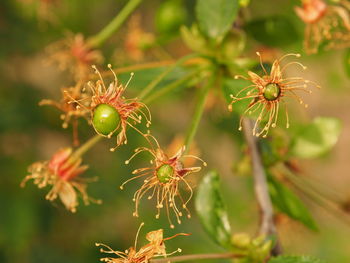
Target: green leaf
x,y
274,31
234,86
212,210
295,259
215,17
287,202
316,138
347,62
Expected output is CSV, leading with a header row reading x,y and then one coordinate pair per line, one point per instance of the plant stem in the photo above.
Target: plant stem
x,y
114,25
85,147
157,80
170,87
196,257
267,225
202,96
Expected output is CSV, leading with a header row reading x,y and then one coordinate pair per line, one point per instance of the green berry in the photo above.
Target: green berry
x,y
170,16
164,173
105,119
271,91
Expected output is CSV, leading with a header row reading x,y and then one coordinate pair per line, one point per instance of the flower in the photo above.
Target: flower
x,y
111,112
162,180
155,247
71,110
62,173
137,40
74,54
267,92
325,23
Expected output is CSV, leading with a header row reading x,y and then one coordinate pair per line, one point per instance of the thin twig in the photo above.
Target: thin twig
x,y
196,257
267,226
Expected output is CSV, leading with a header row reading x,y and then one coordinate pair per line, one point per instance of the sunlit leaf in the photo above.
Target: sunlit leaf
x,y
295,259
316,138
215,17
212,210
288,203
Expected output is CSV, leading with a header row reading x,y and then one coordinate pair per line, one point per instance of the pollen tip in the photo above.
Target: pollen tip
x,y
179,250
258,53
205,164
126,162
298,55
188,216
112,149
109,65
172,226
236,77
240,128
97,244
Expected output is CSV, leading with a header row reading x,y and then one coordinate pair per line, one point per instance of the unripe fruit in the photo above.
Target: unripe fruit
x,y
105,119
164,173
170,16
271,91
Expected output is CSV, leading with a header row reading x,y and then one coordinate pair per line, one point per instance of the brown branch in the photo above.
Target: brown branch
x,y
267,225
196,257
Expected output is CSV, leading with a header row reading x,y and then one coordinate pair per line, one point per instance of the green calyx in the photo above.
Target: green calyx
x,y
271,91
164,173
105,119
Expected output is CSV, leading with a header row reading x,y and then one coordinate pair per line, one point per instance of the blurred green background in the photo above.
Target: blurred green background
x,y
35,230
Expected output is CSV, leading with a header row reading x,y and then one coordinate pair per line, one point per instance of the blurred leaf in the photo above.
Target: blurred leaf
x,y
212,210
295,259
347,62
316,138
274,31
233,86
287,202
215,17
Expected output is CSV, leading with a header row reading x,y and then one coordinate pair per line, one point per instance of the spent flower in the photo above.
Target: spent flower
x,y
154,248
74,54
111,112
62,172
329,24
162,180
71,110
267,93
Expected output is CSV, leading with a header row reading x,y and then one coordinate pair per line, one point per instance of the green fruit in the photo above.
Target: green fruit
x,y
164,173
170,16
271,91
105,119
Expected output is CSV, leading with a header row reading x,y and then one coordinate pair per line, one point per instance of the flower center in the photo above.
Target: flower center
x,y
105,119
164,173
271,91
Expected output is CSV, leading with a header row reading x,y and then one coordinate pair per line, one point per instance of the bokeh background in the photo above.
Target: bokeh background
x,y
35,230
